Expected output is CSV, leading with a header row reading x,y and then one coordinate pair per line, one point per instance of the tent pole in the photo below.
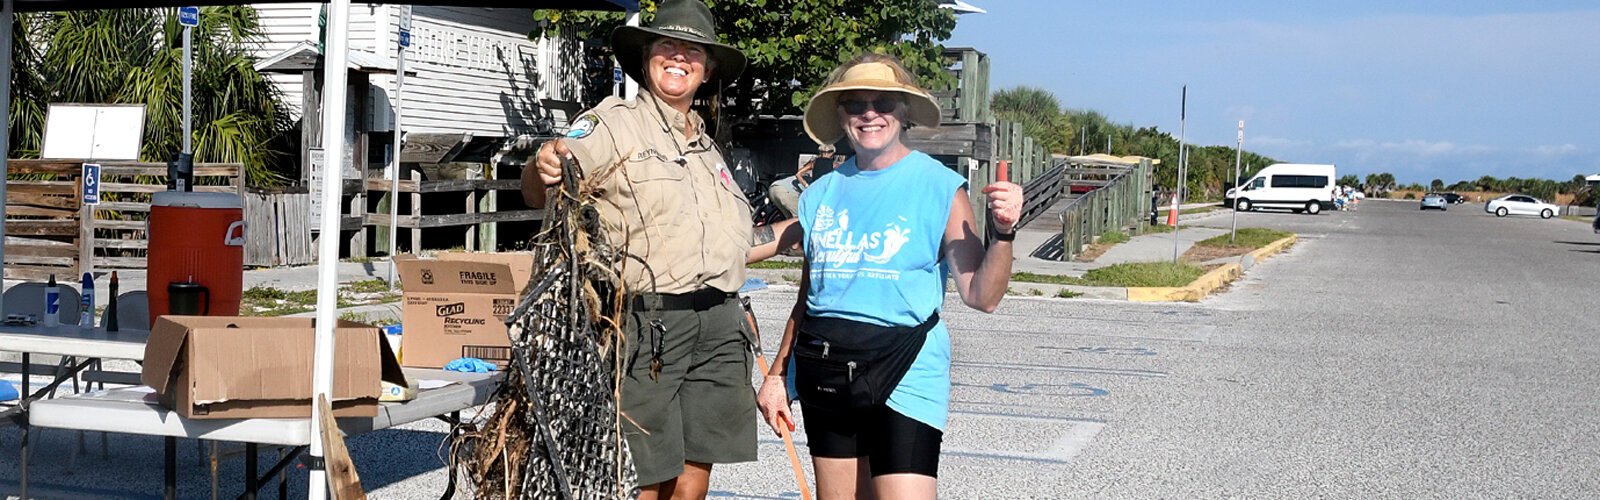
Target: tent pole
x,y
335,74
630,88
8,16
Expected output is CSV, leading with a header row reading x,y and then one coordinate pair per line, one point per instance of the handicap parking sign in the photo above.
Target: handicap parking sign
x,y
91,184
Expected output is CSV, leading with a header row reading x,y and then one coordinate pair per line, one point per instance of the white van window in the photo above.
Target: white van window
x,y
1258,183
1299,181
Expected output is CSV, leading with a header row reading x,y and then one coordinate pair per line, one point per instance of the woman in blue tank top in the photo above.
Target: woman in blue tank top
x,y
881,234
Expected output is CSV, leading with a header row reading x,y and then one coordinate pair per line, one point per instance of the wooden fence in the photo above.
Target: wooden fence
x,y
278,228
45,233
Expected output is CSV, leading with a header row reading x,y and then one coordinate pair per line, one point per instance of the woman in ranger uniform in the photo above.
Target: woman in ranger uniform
x,y
669,199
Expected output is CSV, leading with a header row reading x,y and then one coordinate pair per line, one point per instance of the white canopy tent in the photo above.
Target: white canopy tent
x,y
337,56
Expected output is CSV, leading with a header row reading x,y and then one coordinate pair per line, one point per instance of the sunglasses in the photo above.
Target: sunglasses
x,y
883,105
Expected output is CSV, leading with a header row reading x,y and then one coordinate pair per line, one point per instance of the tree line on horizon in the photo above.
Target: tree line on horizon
x,y
1545,189
1070,131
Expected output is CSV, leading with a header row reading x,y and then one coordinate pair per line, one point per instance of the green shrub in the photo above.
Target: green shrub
x,y
1411,196
1112,237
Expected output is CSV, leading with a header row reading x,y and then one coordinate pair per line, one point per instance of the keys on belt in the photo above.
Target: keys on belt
x,y
653,303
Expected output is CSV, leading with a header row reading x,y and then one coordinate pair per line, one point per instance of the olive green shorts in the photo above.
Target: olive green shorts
x,y
702,408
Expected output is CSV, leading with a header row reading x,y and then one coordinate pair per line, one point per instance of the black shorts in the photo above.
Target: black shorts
x,y
893,443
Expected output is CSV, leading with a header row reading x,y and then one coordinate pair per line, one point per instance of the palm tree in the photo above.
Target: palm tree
x,y
1037,110
135,56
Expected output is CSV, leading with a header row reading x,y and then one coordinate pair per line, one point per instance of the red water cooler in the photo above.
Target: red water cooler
x,y
197,242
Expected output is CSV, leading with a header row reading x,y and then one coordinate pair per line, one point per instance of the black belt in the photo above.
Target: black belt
x,y
698,300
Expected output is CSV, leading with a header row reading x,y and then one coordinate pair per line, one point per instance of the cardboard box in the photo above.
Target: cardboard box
x,y
457,306
521,263
240,367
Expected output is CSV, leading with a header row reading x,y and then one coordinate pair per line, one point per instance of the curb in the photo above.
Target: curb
x,y
1249,260
1193,292
1211,281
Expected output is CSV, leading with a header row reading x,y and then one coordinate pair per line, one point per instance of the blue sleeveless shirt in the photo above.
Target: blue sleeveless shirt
x,y
872,239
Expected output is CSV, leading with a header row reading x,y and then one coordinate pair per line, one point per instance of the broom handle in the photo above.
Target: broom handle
x,y
788,444
783,430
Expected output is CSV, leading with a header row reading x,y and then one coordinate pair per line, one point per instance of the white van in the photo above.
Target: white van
x,y
1299,187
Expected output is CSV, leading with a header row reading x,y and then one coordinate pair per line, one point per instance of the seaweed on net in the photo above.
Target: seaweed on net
x,y
554,429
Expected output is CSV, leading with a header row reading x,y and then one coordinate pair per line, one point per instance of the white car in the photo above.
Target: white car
x,y
1520,204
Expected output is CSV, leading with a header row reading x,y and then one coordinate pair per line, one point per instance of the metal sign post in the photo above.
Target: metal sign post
x,y
1238,155
394,166
180,172
189,17
1177,196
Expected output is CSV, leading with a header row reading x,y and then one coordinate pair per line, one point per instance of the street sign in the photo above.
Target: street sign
x,y
189,16
616,75
91,184
405,26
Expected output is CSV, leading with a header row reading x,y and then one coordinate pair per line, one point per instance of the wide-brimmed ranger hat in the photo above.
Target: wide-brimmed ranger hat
x,y
822,114
687,20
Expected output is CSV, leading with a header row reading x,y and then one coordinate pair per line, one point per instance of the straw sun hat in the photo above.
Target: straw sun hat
x,y
687,20
822,114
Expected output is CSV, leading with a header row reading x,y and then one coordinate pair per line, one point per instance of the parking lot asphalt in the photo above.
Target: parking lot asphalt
x,y
1390,353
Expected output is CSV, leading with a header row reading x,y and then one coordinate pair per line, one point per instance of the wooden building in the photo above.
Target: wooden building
x,y
478,95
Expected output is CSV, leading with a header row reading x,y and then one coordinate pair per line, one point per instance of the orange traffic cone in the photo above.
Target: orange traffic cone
x,y
1172,214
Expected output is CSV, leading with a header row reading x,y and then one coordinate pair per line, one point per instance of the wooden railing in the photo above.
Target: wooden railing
x,y
45,233
1120,200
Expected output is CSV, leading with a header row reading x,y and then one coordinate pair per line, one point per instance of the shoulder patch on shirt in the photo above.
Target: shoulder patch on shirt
x,y
583,126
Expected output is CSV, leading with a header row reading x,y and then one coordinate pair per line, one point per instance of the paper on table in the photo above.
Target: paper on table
x,y
425,384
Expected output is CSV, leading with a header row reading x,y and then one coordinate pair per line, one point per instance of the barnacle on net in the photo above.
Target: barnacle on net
x,y
554,429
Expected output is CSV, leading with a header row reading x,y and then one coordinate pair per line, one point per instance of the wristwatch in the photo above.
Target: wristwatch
x,y
999,236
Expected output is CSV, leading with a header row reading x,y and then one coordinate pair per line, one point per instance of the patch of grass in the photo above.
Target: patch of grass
x,y
1577,218
1047,278
356,317
1112,237
1157,229
1199,210
1144,274
260,293
774,264
1035,292
268,301
358,260
1249,237
1066,294
792,278
368,286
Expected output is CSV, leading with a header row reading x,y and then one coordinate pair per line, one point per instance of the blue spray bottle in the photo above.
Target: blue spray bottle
x,y
86,317
52,304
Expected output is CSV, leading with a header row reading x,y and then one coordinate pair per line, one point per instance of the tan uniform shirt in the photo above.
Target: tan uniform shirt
x,y
673,202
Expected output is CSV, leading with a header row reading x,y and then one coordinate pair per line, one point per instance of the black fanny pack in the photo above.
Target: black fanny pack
x,y
842,364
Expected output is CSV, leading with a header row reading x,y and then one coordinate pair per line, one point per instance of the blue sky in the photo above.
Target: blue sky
x,y
1439,89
